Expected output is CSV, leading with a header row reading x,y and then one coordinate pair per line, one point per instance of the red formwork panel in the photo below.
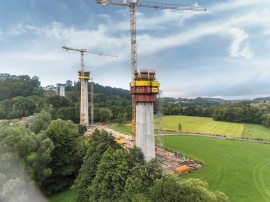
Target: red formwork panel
x,y
141,90
153,97
144,98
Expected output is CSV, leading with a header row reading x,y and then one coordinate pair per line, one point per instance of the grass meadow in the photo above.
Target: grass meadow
x,y
68,195
239,169
205,125
202,125
122,129
255,131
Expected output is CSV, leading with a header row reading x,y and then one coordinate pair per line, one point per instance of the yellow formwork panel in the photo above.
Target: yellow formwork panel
x,y
84,77
155,83
155,90
144,83
132,83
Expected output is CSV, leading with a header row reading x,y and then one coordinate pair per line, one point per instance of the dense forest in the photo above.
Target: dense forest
x,y
22,96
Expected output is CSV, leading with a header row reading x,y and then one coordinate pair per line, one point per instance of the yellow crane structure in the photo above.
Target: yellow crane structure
x,y
133,4
84,77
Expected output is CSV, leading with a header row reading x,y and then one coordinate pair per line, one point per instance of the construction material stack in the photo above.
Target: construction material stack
x,y
144,89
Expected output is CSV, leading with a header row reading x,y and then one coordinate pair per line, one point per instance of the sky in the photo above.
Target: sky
x,y
222,52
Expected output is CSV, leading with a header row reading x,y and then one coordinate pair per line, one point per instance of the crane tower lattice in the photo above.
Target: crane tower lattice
x,y
133,4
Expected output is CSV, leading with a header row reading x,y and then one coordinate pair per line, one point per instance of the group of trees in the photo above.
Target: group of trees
x,y
192,110
22,96
243,113
12,86
49,151
112,173
237,112
54,155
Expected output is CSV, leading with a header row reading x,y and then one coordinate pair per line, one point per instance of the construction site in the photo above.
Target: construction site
x,y
145,91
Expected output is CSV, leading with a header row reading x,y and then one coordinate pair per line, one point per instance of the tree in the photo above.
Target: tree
x,y
179,127
98,144
105,114
68,85
67,155
136,156
37,163
82,129
121,119
58,101
66,113
40,121
142,178
112,173
173,188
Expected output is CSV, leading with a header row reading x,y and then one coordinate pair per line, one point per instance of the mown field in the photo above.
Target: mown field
x,y
202,125
239,169
255,131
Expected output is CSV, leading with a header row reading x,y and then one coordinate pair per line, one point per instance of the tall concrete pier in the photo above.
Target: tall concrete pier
x,y
144,89
84,114
62,89
145,138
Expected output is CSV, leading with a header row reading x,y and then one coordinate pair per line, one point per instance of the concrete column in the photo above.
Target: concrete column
x,y
62,90
145,138
86,103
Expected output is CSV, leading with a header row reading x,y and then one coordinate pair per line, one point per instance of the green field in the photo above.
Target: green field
x,y
122,129
255,131
239,169
65,196
202,125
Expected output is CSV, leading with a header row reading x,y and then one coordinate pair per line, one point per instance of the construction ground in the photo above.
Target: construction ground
x,y
172,162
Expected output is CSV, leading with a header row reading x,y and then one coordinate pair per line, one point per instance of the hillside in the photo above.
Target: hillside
x,y
22,96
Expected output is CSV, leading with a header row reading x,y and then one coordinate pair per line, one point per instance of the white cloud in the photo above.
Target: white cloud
x,y
232,4
236,25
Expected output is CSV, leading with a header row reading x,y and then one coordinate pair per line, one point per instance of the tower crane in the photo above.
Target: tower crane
x,y
133,4
85,76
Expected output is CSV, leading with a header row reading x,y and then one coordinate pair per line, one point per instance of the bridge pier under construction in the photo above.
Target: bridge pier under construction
x,y
145,138
84,115
144,91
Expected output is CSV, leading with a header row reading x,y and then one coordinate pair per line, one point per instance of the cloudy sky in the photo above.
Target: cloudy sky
x,y
222,52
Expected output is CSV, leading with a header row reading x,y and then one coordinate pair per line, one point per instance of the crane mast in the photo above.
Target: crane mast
x,y
84,76
133,4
